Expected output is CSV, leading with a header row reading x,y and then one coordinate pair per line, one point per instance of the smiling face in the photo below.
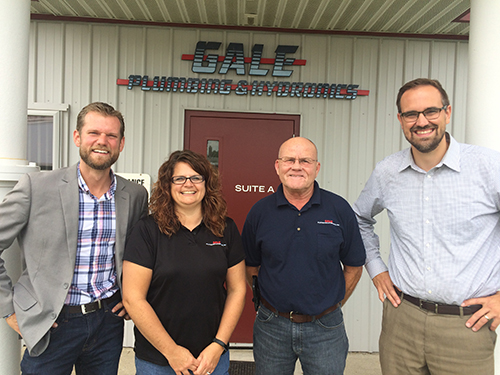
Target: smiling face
x,y
425,136
187,195
99,141
297,179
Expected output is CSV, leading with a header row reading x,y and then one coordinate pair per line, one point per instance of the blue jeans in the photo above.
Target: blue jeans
x,y
147,368
92,343
321,345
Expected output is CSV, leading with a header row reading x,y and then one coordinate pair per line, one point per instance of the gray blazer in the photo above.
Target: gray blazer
x,y
42,213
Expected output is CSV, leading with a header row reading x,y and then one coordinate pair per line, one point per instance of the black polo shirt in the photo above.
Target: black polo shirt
x,y
187,288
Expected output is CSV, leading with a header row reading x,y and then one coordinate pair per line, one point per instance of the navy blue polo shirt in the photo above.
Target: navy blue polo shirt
x,y
300,252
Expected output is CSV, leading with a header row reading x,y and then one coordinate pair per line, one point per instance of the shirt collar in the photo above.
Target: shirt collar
x,y
83,185
451,158
315,199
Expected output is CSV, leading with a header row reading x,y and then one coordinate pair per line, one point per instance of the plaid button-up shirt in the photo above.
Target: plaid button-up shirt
x,y
95,273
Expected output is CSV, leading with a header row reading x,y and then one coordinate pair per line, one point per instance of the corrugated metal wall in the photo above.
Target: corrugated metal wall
x,y
77,63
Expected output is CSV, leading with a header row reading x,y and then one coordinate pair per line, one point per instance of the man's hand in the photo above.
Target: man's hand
x,y
385,288
489,311
12,322
122,313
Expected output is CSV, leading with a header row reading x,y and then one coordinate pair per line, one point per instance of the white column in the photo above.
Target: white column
x,y
14,39
483,96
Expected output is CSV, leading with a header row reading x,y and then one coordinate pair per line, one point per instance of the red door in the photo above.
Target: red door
x,y
244,146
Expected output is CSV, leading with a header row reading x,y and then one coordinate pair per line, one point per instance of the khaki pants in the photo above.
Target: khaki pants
x,y
414,341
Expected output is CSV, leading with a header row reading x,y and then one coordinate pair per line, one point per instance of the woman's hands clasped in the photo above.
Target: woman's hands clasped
x,y
181,360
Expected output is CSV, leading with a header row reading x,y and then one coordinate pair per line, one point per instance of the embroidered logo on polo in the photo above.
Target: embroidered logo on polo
x,y
329,222
216,243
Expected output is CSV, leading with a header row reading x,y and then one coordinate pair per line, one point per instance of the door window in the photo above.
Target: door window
x,y
213,152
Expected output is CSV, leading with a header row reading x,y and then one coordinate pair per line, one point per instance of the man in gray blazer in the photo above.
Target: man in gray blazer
x,y
71,225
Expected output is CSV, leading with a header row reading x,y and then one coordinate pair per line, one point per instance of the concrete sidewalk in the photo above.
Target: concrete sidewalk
x,y
357,363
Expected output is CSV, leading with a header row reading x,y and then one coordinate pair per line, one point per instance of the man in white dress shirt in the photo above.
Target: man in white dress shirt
x,y
441,305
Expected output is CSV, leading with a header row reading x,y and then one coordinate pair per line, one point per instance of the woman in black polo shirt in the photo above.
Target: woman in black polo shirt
x,y
183,273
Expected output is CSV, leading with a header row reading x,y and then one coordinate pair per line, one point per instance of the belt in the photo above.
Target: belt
x,y
440,308
295,317
92,306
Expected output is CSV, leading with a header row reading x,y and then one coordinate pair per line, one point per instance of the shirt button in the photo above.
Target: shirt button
x,y
426,198
429,176
427,221
298,229
65,285
428,268
53,316
427,245
430,291
299,214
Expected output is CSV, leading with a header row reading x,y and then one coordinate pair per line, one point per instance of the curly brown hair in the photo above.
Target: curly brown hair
x,y
213,206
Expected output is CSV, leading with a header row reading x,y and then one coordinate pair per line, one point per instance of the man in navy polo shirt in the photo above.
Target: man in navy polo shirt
x,y
303,242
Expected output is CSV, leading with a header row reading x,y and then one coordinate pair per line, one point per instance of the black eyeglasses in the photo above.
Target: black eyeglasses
x,y
180,180
431,113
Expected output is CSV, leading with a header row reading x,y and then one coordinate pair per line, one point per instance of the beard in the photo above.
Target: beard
x,y
425,145
87,157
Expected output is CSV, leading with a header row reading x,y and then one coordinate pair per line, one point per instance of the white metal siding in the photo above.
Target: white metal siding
x,y
76,63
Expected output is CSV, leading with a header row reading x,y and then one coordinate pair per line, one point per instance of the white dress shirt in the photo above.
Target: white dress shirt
x,y
444,223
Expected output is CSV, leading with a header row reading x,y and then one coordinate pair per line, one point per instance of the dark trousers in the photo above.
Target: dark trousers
x,y
92,343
